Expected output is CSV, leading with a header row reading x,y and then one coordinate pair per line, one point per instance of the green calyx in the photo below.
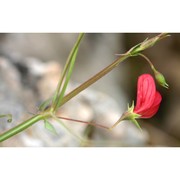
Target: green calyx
x,y
160,79
147,43
129,115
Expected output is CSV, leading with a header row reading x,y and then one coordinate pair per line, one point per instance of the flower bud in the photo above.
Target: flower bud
x,y
160,79
147,43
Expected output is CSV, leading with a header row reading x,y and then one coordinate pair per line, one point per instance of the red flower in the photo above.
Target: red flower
x,y
148,99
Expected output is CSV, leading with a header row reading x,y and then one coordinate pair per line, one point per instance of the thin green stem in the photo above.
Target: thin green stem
x,y
120,119
148,60
159,76
17,129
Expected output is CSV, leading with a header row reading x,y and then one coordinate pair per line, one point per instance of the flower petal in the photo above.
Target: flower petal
x,y
154,108
145,93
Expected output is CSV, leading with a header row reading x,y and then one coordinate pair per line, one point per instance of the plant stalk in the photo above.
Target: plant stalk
x,y
93,79
17,129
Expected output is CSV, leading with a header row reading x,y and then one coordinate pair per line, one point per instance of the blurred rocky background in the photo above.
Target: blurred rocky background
x,y
30,67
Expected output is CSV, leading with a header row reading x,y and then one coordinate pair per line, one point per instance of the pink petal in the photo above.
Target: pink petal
x,y
154,108
145,93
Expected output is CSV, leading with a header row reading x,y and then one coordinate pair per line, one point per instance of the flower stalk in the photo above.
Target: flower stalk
x,y
159,76
84,122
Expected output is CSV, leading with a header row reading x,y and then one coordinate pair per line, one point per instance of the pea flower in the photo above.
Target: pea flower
x,y
148,98
148,101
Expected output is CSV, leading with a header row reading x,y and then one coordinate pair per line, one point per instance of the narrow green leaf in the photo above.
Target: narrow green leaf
x,y
69,73
66,75
50,127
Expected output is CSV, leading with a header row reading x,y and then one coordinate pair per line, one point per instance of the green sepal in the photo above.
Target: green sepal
x,y
136,123
133,116
133,51
147,43
50,127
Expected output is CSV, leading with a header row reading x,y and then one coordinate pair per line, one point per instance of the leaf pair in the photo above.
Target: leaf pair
x,y
66,75
62,85
64,80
